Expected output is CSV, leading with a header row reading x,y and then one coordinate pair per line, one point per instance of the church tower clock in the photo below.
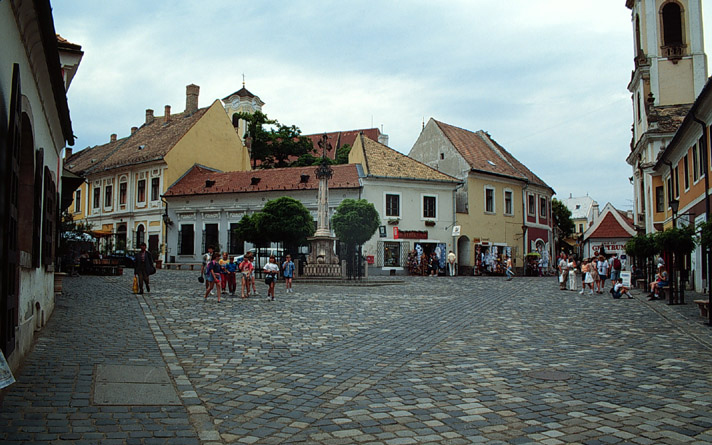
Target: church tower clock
x,y
670,71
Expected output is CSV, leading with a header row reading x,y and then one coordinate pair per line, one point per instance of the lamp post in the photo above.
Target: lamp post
x,y
675,206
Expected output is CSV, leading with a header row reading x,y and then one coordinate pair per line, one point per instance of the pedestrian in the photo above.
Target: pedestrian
x,y
271,269
615,267
586,277
594,273
143,267
563,271
223,262
252,277
212,277
510,270
246,268
619,289
288,273
433,265
602,266
572,273
451,258
231,268
207,257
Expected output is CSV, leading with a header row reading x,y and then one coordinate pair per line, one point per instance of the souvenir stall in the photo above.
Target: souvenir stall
x,y
490,259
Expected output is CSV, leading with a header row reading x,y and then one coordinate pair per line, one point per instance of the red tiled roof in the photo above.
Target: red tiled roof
x,y
194,181
609,227
242,92
484,154
339,138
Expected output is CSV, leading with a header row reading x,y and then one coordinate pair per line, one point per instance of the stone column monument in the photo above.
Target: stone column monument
x,y
322,261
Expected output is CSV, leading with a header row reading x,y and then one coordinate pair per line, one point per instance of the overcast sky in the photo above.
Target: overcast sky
x,y
546,78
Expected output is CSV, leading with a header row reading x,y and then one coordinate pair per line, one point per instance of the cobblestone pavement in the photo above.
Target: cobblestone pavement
x,y
432,360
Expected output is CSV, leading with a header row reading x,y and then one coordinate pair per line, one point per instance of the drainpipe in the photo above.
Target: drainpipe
x,y
454,219
524,219
674,259
707,208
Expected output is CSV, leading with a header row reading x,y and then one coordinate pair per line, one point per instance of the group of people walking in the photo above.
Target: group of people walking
x,y
221,272
593,274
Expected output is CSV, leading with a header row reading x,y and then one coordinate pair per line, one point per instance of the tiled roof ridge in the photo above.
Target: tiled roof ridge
x,y
399,155
365,156
497,149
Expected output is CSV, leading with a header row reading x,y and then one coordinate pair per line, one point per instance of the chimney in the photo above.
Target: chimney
x,y
191,98
383,139
149,116
113,137
134,130
67,153
167,114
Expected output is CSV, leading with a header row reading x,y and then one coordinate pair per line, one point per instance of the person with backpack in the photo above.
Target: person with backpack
x,y
616,267
143,268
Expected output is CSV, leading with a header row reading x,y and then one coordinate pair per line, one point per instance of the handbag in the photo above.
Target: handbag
x,y
268,279
135,285
201,279
153,270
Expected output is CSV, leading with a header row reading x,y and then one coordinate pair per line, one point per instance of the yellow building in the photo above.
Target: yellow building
x,y
503,207
126,178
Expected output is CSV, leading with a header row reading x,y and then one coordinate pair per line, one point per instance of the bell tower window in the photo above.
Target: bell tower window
x,y
672,30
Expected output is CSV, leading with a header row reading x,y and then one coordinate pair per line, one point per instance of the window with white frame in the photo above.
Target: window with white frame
x,y
489,200
508,202
155,191
542,206
392,205
97,197
695,166
430,204
108,195
531,205
123,187
78,201
141,191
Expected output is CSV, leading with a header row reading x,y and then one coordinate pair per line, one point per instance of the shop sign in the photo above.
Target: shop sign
x,y
456,230
382,231
409,234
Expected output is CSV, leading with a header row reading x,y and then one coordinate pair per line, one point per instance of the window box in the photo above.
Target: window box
x,y
393,221
430,223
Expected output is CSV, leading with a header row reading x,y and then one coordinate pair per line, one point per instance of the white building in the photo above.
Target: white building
x,y
34,129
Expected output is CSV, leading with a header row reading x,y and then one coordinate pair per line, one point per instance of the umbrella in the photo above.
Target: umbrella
x,y
533,254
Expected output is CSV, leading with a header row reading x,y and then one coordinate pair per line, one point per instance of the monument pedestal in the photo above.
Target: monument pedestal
x,y
322,262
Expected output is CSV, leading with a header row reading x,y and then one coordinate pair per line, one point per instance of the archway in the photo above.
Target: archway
x,y
463,251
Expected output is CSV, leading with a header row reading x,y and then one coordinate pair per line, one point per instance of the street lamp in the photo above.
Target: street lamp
x,y
675,206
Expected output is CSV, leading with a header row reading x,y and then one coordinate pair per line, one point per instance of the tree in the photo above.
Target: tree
x,y
342,154
562,218
246,230
274,146
706,234
285,220
355,221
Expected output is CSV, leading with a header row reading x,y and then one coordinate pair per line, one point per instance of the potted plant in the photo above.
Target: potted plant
x,y
393,221
429,223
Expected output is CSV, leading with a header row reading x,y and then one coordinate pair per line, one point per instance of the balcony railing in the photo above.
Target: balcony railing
x,y
674,52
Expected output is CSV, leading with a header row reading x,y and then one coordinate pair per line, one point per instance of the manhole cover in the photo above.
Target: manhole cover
x,y
548,374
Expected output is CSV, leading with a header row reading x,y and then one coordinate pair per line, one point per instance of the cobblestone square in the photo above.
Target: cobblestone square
x,y
423,360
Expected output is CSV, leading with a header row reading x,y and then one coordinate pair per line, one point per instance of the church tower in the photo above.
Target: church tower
x,y
241,101
670,72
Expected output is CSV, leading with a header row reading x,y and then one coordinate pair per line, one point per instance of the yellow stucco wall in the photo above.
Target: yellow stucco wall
x,y
212,142
83,205
357,156
496,227
678,81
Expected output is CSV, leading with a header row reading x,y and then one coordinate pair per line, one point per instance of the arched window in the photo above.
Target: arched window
x,y
140,235
638,44
671,15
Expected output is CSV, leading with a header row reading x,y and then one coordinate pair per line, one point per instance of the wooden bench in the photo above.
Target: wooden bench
x,y
662,290
704,306
641,283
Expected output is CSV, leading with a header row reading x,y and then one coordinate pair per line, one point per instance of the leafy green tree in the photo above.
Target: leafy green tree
x,y
355,221
342,154
309,159
676,240
562,218
274,143
247,230
706,234
285,220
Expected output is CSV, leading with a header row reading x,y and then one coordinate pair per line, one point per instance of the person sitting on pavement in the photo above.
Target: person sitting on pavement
x,y
619,289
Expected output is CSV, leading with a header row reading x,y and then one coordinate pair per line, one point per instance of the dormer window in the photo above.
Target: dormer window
x,y
255,180
304,179
141,147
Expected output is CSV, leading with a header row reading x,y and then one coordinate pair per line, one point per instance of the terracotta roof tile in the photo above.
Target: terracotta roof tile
x,y
668,117
609,227
150,142
287,179
386,162
339,138
242,92
484,154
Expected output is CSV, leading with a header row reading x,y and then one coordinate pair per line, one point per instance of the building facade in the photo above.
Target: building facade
x,y
670,70
126,178
33,132
608,234
205,206
415,204
502,206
